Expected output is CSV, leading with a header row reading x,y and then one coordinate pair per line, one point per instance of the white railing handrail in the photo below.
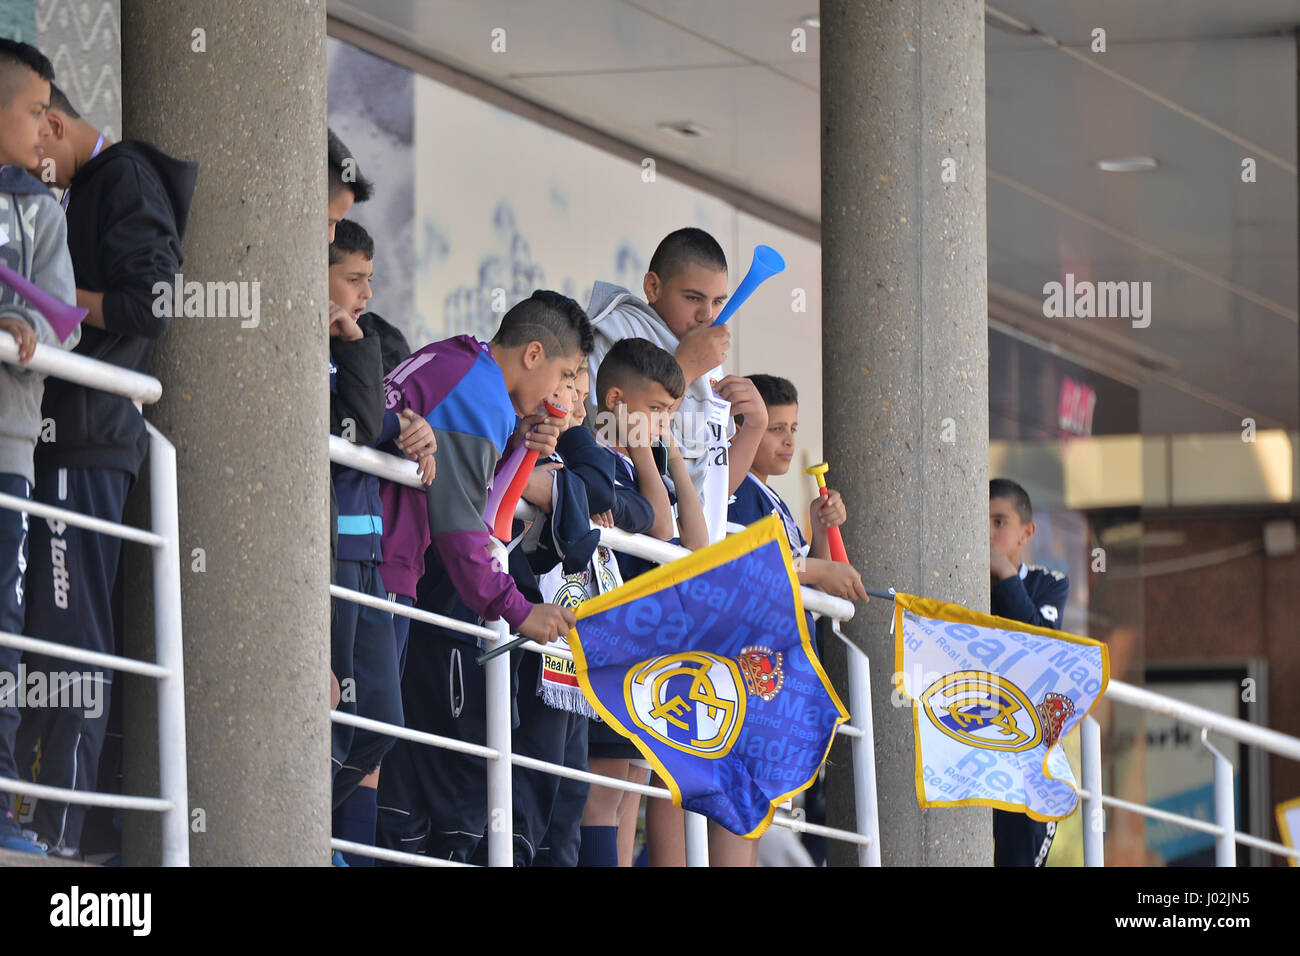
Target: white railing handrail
x,y
128,665
400,470
388,466
1240,730
164,543
92,373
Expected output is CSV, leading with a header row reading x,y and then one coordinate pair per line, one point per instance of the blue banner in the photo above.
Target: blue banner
x,y
707,666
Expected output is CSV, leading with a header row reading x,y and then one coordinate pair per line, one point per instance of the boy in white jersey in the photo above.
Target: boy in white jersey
x,y
685,288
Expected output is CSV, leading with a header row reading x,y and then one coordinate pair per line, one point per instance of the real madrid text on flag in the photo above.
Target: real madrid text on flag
x,y
991,699
707,666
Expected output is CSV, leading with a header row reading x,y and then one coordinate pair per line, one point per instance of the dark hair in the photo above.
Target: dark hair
x,y
350,237
633,361
393,347
14,57
344,173
550,318
775,390
687,247
1019,498
59,101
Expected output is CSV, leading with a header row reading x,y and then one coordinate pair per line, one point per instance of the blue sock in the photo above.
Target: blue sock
x,y
354,820
599,847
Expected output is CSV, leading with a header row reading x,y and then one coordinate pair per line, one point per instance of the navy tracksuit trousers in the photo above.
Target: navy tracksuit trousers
x,y
363,656
13,611
70,577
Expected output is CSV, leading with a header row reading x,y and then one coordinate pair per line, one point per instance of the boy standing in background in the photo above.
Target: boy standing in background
x,y
1031,595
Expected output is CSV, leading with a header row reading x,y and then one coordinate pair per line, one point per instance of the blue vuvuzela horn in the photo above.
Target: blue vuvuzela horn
x,y
767,263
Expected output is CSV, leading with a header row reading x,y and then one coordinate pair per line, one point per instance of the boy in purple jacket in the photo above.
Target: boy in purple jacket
x,y
473,394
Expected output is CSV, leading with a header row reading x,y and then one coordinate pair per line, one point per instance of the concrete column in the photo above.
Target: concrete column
x,y
905,357
246,409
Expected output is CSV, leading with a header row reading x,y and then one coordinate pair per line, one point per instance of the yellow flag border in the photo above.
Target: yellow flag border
x,y
956,614
761,532
1288,838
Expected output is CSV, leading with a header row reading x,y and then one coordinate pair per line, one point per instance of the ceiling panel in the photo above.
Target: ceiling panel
x,y
623,66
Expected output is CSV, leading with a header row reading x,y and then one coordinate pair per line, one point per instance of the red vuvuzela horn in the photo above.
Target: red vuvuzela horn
x,y
833,536
63,318
501,504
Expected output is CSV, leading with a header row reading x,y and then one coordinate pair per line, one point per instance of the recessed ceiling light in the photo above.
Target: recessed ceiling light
x,y
1128,164
684,128
813,21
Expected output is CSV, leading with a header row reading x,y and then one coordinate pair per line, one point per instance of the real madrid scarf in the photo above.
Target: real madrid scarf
x,y
558,682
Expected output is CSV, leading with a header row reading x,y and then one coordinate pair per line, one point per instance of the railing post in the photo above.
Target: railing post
x,y
697,839
168,651
501,822
864,753
1094,820
1225,809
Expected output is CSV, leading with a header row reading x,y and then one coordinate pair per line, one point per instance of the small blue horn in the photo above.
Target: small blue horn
x,y
767,263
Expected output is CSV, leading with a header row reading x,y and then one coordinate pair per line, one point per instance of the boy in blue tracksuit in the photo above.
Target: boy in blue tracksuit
x,y
1031,595
363,649
36,247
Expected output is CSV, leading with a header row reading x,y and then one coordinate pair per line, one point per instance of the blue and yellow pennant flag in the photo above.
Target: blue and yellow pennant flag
x,y
706,665
991,700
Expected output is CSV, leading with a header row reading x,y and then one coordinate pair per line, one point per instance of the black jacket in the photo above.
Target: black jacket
x,y
1035,596
356,400
126,216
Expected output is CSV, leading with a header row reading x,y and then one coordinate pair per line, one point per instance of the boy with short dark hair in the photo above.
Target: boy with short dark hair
x,y
127,206
473,394
685,288
363,648
1032,595
637,388
754,499
35,246
346,184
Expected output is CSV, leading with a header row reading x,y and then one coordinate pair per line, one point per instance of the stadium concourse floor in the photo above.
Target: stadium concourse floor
x,y
10,858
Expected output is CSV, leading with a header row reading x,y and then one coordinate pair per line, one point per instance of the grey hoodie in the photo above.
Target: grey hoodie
x,y
617,314
37,250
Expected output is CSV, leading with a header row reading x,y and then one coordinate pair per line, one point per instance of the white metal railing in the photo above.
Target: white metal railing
x,y
859,729
1224,828
164,541
497,752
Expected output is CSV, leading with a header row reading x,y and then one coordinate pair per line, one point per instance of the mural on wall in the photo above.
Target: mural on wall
x,y
371,108
476,207
84,42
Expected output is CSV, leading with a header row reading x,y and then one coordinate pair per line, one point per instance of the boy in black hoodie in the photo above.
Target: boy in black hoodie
x,y
126,205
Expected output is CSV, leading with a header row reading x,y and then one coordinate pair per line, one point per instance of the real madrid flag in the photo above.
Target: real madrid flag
x,y
706,665
992,697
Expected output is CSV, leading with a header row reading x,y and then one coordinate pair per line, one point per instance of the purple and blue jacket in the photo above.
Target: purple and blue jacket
x,y
459,389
